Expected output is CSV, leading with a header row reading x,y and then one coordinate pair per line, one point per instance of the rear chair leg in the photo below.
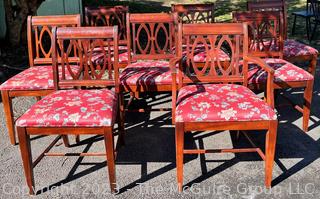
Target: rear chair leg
x,y
65,140
179,153
271,139
121,119
25,149
77,138
108,140
307,105
7,105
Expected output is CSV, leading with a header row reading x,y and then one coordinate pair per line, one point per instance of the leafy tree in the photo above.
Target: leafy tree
x,y
17,12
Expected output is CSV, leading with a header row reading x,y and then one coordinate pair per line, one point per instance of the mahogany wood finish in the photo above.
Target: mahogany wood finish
x,y
194,13
280,5
150,37
271,18
271,5
108,16
37,28
148,46
84,40
265,32
214,37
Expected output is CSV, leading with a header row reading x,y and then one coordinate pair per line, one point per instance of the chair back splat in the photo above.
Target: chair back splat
x,y
84,42
271,5
194,13
152,36
214,38
108,16
266,33
39,30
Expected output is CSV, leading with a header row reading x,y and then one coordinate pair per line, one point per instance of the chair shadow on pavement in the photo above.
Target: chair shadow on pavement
x,y
152,140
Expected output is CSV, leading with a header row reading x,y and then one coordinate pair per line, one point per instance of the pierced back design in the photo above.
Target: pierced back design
x,y
271,5
152,36
265,32
84,72
229,38
194,13
40,33
108,16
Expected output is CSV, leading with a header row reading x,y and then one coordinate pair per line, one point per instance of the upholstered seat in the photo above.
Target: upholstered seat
x,y
72,108
146,73
221,102
293,48
33,78
284,72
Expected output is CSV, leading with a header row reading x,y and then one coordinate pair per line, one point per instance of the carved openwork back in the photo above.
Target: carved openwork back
x,y
84,41
151,35
40,33
108,16
215,38
194,13
265,32
271,5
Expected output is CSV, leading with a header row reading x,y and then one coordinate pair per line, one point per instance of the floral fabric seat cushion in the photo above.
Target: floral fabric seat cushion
x,y
97,55
293,48
72,108
33,78
284,72
221,102
146,73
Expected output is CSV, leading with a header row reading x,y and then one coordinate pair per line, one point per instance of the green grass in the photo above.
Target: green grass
x,y
223,11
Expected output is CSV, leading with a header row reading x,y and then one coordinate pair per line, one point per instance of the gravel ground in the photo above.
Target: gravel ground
x,y
146,165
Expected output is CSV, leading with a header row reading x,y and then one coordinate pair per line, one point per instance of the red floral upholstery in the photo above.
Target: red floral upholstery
x,y
72,108
284,72
146,73
97,56
221,102
293,48
33,78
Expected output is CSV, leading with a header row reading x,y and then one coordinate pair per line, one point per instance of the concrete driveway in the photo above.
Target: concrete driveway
x,y
146,164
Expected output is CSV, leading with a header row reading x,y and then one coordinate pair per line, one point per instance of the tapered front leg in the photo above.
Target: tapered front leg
x,y
307,105
271,139
109,144
179,153
7,107
25,149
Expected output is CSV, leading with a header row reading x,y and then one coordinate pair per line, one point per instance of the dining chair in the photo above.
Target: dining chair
x,y
151,43
293,51
194,13
110,16
37,80
266,41
216,98
271,5
307,14
70,110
